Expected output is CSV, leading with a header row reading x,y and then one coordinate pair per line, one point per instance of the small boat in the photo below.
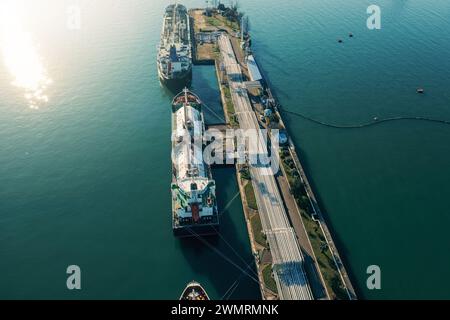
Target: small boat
x,y
340,41
350,35
195,292
420,90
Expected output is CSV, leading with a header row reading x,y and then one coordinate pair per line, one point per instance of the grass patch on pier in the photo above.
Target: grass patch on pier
x,y
213,21
260,238
250,196
229,106
222,22
245,173
269,281
216,51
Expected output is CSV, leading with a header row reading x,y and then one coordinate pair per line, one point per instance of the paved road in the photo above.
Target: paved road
x,y
287,257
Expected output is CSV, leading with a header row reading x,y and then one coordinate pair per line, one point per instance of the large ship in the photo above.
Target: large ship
x,y
194,203
194,292
175,53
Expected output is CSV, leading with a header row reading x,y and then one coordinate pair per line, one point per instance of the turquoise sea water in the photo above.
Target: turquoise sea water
x,y
85,178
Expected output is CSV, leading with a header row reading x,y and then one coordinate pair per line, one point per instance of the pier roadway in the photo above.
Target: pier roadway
x,y
287,258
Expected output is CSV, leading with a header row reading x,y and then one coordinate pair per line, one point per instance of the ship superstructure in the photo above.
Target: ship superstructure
x,y
175,53
194,203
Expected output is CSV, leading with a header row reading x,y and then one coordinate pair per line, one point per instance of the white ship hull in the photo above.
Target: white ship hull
x,y
194,203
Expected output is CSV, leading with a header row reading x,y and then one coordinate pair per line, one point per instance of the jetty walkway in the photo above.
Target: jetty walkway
x,y
287,258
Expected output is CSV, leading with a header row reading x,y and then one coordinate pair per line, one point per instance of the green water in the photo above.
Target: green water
x,y
85,178
384,188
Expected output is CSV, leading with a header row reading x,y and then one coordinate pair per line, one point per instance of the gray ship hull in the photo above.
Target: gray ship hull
x,y
179,82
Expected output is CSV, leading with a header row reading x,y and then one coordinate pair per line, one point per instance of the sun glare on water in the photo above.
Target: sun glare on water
x,y
20,55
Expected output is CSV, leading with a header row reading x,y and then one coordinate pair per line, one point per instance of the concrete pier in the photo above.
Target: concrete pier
x,y
290,244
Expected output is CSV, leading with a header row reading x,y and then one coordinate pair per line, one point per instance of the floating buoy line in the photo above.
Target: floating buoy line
x,y
375,121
